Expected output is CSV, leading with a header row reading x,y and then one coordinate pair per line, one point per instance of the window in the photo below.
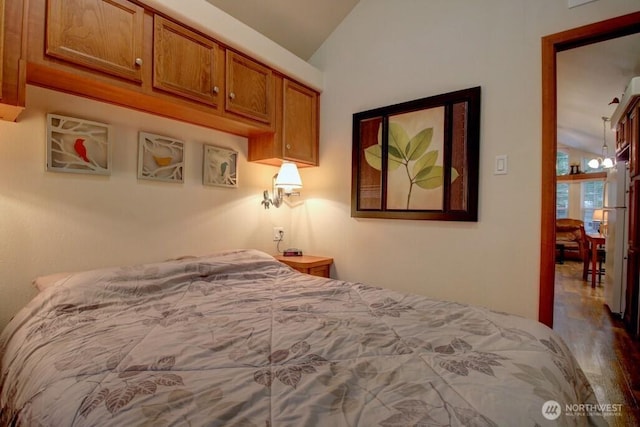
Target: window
x,y
562,189
592,198
562,200
562,163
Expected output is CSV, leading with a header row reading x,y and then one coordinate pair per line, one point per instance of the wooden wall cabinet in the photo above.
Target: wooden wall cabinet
x,y
299,122
622,143
296,138
104,35
122,52
249,87
186,63
12,64
628,139
169,90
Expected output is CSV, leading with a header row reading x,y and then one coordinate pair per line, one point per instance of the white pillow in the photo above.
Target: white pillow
x,y
44,282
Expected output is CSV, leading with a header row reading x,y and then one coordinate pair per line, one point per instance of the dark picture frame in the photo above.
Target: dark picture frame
x,y
418,159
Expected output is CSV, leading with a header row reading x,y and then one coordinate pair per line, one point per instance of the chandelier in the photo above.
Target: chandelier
x,y
605,161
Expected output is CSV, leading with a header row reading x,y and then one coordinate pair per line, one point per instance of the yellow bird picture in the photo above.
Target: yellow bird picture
x,y
162,161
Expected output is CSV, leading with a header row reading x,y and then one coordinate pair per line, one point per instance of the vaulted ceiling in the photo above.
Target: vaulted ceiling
x,y
589,77
299,26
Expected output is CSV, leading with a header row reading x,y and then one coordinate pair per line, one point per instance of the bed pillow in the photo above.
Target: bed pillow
x,y
44,282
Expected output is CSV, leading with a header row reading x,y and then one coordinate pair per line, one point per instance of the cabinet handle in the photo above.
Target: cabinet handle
x,y
138,62
232,95
288,146
216,89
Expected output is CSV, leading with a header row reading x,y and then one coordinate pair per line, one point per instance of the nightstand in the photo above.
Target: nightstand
x,y
314,265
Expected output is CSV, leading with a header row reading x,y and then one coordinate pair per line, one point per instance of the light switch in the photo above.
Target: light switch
x,y
501,167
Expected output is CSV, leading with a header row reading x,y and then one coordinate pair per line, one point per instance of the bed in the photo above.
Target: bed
x,y
239,339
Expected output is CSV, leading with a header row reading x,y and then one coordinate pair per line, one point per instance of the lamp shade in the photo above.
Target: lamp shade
x,y
288,177
598,215
607,163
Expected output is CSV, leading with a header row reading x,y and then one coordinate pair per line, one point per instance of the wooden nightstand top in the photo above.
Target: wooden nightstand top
x,y
314,265
304,261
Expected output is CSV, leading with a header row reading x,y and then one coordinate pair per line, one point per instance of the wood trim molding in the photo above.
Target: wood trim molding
x,y
1,43
581,36
591,176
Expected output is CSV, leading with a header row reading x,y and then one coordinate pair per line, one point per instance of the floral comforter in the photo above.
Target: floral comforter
x,y
240,339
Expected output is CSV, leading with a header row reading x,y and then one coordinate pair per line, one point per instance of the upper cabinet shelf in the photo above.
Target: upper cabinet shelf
x,y
591,176
122,52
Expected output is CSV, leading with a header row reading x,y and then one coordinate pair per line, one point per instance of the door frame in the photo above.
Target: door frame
x,y
552,44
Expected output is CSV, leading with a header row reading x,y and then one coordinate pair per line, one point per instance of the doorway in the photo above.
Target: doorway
x,y
551,45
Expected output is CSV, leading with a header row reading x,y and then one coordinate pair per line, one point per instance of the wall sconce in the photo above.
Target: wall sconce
x,y
284,183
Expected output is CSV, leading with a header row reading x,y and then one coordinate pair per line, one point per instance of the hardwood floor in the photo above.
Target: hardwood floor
x,y
608,356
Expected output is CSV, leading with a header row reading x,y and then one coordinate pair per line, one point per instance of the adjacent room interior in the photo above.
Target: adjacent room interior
x,y
592,200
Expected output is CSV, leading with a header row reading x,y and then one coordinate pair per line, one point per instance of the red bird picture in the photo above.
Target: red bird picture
x,y
81,149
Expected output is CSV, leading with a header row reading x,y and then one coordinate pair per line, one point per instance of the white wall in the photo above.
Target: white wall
x,y
384,52
52,222
387,52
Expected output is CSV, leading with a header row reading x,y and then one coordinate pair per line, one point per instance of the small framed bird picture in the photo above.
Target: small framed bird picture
x,y
160,158
220,167
78,146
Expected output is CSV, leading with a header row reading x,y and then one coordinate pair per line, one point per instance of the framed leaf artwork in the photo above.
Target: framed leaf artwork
x,y
78,146
220,167
418,159
160,158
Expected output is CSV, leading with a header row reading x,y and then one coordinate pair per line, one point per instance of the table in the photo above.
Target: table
x,y
314,265
594,240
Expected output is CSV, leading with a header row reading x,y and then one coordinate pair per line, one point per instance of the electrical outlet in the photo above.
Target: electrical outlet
x,y
278,234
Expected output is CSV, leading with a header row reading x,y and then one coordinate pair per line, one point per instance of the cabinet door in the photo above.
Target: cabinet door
x,y
12,76
632,301
249,88
104,35
300,123
634,214
185,63
631,315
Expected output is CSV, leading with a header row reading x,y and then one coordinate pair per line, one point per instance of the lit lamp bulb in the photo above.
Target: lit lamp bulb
x,y
288,178
607,163
285,183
